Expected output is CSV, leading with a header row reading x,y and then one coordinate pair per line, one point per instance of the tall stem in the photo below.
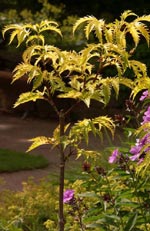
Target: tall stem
x,y
62,170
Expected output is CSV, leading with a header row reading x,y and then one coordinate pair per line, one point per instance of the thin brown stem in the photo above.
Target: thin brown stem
x,y
51,102
71,108
62,171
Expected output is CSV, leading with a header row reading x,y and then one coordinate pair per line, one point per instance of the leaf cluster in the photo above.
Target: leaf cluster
x,y
80,75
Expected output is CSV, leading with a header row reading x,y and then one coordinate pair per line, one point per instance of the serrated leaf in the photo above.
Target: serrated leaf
x,y
21,36
134,32
36,38
11,27
87,101
106,92
144,31
71,94
52,28
28,96
38,141
139,68
37,81
13,35
88,154
81,21
21,70
126,14
126,82
88,28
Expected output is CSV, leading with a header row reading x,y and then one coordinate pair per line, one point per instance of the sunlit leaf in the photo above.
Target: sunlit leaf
x,y
28,96
38,141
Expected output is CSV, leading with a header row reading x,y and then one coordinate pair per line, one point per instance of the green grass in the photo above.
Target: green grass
x,y
11,161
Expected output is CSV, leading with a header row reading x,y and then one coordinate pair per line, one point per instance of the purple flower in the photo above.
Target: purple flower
x,y
144,95
114,156
68,196
146,117
135,157
145,140
137,149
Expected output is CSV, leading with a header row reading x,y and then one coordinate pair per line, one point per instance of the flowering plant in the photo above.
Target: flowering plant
x,y
68,196
117,196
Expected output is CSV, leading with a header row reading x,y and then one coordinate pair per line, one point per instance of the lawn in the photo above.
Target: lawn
x,y
11,161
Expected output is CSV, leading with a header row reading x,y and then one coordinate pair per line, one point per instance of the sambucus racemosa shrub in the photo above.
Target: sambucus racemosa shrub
x,y
84,76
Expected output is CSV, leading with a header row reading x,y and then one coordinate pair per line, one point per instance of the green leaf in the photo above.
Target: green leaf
x,y
88,154
38,141
88,194
71,94
21,36
37,81
87,101
21,70
109,220
28,96
131,222
95,225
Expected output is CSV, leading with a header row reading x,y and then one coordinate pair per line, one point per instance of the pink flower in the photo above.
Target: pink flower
x,y
68,196
137,149
114,156
146,117
144,95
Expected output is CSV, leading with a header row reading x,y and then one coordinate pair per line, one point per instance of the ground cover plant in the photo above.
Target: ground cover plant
x,y
90,74
11,161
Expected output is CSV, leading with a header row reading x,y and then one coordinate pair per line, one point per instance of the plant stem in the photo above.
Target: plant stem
x,y
62,170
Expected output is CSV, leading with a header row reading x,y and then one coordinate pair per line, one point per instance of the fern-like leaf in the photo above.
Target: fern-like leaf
x,y
144,18
134,32
144,31
40,140
139,85
88,154
139,68
81,21
81,129
126,82
28,96
126,14
21,70
34,38
52,28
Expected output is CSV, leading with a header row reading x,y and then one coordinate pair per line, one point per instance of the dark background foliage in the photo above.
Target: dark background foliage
x,y
112,8
107,9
